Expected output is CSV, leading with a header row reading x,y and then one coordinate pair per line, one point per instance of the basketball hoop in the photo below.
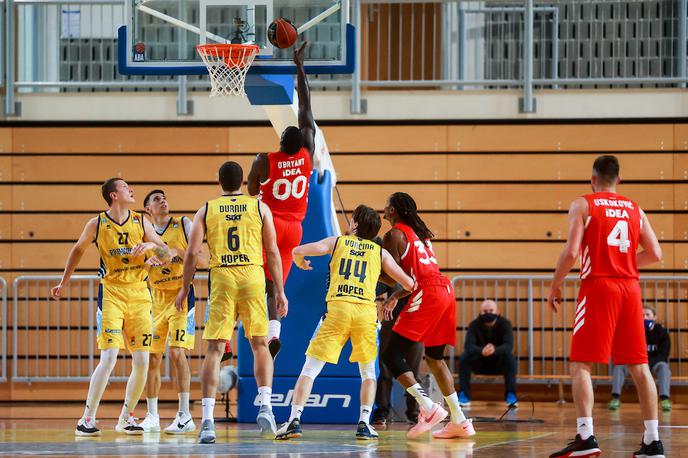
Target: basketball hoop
x,y
227,66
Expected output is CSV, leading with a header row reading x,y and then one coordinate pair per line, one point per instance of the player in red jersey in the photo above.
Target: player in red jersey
x,y
606,229
282,179
429,317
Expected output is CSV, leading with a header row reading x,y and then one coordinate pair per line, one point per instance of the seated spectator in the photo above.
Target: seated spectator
x,y
658,348
488,351
385,380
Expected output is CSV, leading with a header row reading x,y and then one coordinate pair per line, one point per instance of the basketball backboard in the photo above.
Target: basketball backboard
x,y
160,36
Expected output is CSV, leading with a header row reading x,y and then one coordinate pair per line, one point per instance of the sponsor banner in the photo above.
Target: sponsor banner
x,y
333,400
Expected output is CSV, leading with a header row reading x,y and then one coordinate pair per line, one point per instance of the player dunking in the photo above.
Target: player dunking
x,y
606,229
165,282
238,228
282,179
429,317
122,237
351,313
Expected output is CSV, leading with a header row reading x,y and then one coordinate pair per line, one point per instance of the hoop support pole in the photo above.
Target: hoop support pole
x,y
178,23
319,18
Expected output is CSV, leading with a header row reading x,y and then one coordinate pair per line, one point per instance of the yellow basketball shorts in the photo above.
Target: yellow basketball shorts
x,y
342,321
236,293
124,317
178,329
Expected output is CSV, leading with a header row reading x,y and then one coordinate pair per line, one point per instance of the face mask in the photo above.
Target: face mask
x,y
649,324
488,317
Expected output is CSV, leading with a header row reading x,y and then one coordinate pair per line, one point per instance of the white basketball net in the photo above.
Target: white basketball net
x,y
227,66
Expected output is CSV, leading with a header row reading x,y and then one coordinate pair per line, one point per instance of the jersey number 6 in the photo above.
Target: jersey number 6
x,y
233,242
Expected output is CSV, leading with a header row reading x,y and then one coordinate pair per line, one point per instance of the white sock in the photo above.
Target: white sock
x,y
184,403
365,414
208,406
265,393
295,412
651,431
457,415
584,427
152,404
423,400
274,328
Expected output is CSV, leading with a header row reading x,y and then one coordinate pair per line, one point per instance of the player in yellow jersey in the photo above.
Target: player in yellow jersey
x,y
351,313
123,238
238,228
169,324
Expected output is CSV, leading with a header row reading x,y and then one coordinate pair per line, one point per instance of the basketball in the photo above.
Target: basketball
x,y
282,33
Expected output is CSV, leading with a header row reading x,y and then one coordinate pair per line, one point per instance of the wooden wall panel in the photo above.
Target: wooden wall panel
x,y
497,167
140,168
5,140
120,139
547,196
253,140
427,196
386,139
421,167
555,138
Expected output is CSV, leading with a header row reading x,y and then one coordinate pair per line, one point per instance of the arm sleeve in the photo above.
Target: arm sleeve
x,y
507,346
470,345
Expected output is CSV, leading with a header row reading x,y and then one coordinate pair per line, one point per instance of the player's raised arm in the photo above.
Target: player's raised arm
x,y
306,121
273,259
319,248
652,252
190,260
88,235
260,171
395,244
567,259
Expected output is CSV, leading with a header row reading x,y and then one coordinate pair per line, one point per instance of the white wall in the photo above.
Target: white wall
x,y
382,105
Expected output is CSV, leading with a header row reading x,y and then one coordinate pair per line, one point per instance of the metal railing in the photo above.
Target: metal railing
x,y
56,341
541,337
450,44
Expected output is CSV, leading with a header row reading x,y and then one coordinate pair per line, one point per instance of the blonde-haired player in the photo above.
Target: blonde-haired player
x,y
169,324
351,313
123,237
237,229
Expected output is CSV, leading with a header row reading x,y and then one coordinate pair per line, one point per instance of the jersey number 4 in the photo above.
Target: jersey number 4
x,y
619,236
359,270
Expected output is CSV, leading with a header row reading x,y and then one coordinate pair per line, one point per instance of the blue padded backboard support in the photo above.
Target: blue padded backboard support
x,y
123,48
335,396
270,89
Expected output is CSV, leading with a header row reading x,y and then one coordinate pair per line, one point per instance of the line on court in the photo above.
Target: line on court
x,y
540,436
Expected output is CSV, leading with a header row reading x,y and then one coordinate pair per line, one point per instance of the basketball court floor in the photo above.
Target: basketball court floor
x,y
48,430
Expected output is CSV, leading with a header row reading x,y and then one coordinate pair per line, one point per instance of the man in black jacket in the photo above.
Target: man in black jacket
x,y
488,350
658,349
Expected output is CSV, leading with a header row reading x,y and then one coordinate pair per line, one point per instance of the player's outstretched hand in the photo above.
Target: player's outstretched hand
x,y
299,54
302,263
282,304
56,291
554,298
181,296
388,307
141,248
153,261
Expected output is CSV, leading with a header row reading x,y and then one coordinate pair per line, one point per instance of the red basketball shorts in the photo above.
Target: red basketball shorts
x,y
289,235
429,316
608,321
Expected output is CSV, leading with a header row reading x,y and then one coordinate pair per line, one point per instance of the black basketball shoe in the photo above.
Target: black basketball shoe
x,y
654,450
579,448
289,430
